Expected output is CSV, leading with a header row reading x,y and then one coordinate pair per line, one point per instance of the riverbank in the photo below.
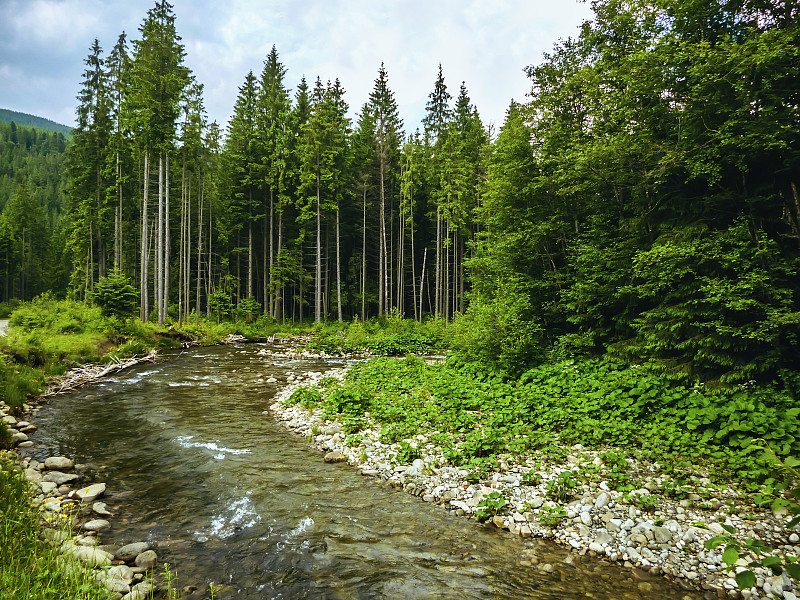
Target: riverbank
x,y
530,497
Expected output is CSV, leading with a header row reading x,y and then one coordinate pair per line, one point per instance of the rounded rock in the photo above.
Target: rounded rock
x,y
129,552
59,463
146,559
96,525
91,493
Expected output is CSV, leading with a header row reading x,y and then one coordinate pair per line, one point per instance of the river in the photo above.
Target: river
x,y
229,497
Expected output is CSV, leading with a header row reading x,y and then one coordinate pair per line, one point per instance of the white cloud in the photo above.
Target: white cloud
x,y
485,43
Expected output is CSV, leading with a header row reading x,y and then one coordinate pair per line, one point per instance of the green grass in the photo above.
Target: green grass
x,y
32,568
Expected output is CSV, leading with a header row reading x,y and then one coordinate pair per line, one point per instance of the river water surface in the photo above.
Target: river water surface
x,y
229,497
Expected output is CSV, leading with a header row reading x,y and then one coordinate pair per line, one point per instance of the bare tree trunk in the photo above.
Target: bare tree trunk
x,y
280,307
182,242
188,253
438,260
417,315
338,268
318,266
364,260
159,280
383,275
199,250
118,220
250,257
166,244
143,255
422,281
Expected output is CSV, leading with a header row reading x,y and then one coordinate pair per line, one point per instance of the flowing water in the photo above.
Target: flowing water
x,y
229,496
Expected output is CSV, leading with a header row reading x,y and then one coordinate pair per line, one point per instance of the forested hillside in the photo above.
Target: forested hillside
x,y
642,201
26,120
32,205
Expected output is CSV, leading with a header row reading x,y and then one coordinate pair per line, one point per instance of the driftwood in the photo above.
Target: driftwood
x,y
79,376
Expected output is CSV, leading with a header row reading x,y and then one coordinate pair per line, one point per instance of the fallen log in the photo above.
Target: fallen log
x,y
79,376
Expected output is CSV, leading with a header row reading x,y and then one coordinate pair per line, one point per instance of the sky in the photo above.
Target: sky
x,y
484,43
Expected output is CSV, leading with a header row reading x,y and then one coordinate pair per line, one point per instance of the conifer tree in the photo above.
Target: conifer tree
x,y
388,135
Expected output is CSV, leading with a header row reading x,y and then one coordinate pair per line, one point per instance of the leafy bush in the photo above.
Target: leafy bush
x,y
115,296
502,333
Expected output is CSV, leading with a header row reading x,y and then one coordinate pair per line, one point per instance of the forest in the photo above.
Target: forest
x,y
642,202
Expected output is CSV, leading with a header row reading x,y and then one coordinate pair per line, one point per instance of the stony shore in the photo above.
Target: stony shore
x,y
75,517
639,530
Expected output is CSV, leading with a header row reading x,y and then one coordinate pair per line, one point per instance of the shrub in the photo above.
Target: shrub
x,y
115,296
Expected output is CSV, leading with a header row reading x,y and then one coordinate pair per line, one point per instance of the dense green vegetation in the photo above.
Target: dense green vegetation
x,y
599,403
32,208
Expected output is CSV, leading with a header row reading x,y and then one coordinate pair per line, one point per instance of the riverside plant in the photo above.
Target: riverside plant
x,y
31,567
754,551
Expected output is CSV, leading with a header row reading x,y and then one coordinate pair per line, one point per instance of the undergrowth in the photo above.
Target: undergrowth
x,y
600,403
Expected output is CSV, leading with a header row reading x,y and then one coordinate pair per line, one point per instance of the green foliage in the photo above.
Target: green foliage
x,y
407,453
115,296
562,488
551,516
723,306
248,310
304,396
500,332
491,505
599,403
220,304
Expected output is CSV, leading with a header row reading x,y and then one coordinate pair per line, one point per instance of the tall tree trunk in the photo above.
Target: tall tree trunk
x,y
364,259
182,242
199,249
159,280
417,315
422,281
118,218
438,261
383,275
280,307
338,268
166,246
143,255
250,254
318,266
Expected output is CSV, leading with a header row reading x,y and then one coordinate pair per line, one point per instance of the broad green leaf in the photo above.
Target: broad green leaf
x,y
730,556
745,579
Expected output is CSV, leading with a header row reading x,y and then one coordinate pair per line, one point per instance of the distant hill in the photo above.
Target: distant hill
x,y
24,120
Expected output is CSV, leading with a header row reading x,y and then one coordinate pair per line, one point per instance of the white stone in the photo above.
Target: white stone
x,y
91,493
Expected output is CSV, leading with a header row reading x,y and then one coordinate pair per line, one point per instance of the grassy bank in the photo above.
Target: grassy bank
x,y
31,567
